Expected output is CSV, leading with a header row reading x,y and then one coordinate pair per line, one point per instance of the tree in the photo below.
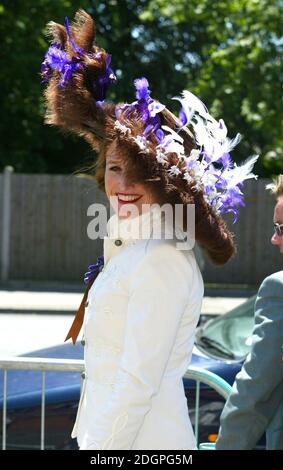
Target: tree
x,y
25,142
229,53
233,58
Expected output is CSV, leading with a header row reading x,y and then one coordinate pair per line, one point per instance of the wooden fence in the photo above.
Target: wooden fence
x,y
48,238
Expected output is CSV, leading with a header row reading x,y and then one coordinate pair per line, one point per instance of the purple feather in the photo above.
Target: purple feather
x,y
183,119
142,85
93,268
78,49
57,60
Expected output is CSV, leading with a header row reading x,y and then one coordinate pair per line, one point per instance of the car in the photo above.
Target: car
x,y
227,337
221,346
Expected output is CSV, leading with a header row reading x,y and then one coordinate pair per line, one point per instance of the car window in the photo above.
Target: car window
x,y
227,336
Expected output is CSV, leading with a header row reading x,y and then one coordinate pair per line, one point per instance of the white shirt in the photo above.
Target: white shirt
x,y
139,331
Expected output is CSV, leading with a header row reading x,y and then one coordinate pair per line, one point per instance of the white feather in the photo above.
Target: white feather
x,y
243,172
174,134
191,103
229,144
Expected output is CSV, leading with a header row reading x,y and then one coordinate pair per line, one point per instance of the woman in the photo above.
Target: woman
x,y
143,308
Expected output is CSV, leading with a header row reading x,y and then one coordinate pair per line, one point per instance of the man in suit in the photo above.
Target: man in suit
x,y
255,405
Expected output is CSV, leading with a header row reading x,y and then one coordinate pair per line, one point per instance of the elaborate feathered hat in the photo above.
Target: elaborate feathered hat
x,y
190,153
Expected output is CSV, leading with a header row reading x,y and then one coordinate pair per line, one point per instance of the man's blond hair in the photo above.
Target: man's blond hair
x,y
276,187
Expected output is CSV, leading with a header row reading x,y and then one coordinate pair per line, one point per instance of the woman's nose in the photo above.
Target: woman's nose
x,y
123,181
124,184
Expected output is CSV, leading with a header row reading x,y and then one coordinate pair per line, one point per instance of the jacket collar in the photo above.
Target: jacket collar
x,y
125,232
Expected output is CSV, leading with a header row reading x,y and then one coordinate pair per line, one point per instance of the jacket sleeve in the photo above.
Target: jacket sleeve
x,y
159,293
257,390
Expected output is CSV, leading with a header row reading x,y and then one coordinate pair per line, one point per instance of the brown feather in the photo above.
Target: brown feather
x,y
57,32
84,30
74,108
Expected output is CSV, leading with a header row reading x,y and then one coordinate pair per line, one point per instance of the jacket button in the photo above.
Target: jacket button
x,y
83,342
83,374
118,242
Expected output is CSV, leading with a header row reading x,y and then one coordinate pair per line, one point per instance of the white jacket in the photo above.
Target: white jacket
x,y
139,328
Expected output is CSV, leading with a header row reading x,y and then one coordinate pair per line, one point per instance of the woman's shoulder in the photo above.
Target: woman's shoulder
x,y
168,248
163,264
162,257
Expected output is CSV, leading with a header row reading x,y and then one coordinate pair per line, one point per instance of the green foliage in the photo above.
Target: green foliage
x,y
228,52
235,55
26,143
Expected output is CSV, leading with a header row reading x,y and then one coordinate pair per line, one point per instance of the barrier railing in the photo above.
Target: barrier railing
x,y
37,364
72,365
212,380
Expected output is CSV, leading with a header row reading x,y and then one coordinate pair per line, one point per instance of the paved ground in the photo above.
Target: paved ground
x,y
34,319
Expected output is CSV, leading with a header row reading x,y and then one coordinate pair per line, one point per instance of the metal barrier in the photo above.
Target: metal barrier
x,y
75,365
212,380
36,364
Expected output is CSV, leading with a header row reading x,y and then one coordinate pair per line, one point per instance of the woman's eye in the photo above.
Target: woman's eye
x,y
115,168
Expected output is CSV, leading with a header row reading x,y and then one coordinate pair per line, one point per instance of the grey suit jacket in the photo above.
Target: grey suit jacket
x,y
256,402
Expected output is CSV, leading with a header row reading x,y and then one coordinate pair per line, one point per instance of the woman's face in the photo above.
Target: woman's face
x,y
126,199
